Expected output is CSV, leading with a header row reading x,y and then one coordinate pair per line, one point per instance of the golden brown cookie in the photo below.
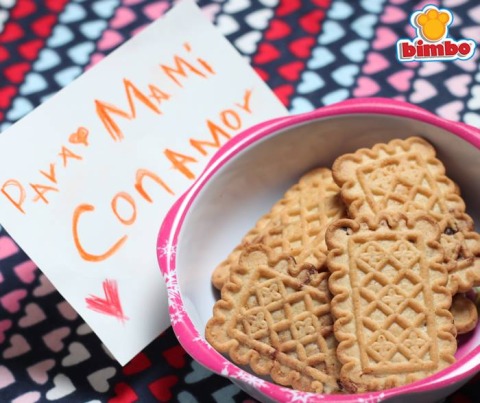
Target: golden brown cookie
x,y
276,319
390,302
405,175
295,225
465,314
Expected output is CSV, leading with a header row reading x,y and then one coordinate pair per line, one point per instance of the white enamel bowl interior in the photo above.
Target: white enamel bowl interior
x,y
249,184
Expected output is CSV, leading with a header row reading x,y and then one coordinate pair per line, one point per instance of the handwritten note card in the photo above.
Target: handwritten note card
x,y
86,178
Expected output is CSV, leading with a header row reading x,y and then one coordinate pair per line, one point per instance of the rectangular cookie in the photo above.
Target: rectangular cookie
x,y
295,225
406,176
277,320
390,303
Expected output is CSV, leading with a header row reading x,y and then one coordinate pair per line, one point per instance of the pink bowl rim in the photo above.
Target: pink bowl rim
x,y
171,227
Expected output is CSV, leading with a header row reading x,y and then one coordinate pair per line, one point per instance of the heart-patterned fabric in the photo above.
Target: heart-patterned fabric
x,y
310,52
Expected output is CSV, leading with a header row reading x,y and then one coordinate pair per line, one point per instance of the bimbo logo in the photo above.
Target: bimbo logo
x,y
432,42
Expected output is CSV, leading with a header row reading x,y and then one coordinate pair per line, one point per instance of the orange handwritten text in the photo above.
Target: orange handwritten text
x,y
227,124
178,72
125,216
16,192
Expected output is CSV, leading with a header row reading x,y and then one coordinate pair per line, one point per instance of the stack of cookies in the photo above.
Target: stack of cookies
x,y
355,280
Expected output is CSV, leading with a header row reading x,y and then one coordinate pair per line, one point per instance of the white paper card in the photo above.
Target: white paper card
x,y
86,178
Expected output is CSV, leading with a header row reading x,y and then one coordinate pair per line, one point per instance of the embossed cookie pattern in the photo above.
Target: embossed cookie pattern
x,y
277,321
390,303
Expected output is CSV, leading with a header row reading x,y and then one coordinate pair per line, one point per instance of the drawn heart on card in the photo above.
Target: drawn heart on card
x,y
79,137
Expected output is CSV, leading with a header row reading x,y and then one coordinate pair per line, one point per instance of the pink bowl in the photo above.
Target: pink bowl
x,y
249,174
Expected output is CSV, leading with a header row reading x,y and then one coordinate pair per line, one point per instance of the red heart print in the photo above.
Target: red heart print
x,y
287,7
301,47
291,71
262,73
266,53
43,26
56,5
16,72
277,29
284,92
4,55
29,50
138,364
322,3
23,9
123,394
6,95
11,32
175,356
161,388
311,22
